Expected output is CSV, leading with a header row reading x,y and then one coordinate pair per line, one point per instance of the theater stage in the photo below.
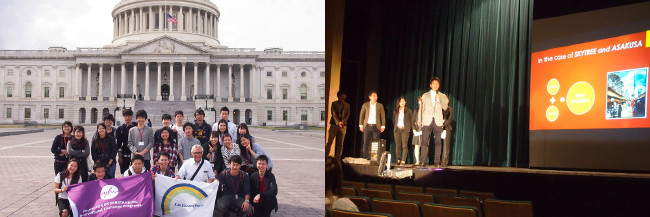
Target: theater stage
x,y
553,192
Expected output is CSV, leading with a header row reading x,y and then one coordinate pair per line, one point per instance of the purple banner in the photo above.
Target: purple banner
x,y
126,196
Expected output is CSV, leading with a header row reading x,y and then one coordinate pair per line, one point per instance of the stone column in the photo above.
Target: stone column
x,y
190,21
123,80
242,97
179,25
112,94
146,82
141,23
158,88
100,95
217,95
77,89
230,98
88,82
207,78
160,19
251,82
132,21
151,22
124,24
196,79
183,97
216,29
171,81
135,79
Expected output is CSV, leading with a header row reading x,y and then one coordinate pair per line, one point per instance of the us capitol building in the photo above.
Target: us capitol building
x,y
162,67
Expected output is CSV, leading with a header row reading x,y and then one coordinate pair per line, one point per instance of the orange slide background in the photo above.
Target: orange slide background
x,y
592,69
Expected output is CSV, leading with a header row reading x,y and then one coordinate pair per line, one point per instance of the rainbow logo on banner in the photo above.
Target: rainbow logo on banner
x,y
179,189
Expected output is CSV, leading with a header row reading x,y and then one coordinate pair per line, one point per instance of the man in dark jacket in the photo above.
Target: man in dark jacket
x,y
201,128
264,188
446,127
122,134
338,124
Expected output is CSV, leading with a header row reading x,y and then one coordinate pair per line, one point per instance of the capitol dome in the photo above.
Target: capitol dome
x,y
139,21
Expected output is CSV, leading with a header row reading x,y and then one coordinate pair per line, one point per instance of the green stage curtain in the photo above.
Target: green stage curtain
x,y
480,49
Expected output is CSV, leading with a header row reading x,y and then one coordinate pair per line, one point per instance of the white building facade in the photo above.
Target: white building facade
x,y
162,67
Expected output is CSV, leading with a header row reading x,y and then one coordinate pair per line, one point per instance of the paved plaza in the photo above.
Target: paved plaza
x,y
26,168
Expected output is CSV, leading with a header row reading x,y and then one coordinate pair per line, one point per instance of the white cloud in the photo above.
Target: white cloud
x,y
39,24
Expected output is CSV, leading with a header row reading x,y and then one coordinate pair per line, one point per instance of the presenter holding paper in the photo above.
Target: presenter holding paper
x,y
433,103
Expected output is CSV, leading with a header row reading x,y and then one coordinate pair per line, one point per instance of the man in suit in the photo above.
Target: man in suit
x,y
338,123
433,103
372,121
448,115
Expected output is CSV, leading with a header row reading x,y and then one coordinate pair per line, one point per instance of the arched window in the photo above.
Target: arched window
x,y
303,91
28,89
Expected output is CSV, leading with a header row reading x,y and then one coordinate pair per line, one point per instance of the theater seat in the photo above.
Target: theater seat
x,y
462,201
376,193
353,184
341,213
379,186
407,188
441,191
507,208
399,208
349,191
363,203
328,212
482,195
420,197
432,209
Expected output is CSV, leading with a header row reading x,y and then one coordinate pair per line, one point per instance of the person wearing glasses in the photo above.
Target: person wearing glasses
x,y
195,168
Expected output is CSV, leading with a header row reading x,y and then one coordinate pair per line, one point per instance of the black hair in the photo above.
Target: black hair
x,y
334,174
109,117
200,112
166,117
371,92
263,157
227,135
69,124
137,157
242,125
214,134
75,176
225,122
163,153
169,130
224,109
127,112
141,113
397,104
179,112
188,124
338,94
235,159
79,143
98,165
435,78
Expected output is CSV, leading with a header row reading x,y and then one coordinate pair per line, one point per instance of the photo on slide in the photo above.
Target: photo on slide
x,y
626,94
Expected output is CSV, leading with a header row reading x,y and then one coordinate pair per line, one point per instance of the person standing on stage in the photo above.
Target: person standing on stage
x,y
448,115
338,124
433,103
403,118
122,134
372,121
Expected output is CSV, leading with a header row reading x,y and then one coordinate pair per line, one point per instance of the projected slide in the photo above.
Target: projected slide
x,y
595,85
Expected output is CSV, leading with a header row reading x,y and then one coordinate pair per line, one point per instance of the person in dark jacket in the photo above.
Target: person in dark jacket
x,y
201,128
99,172
264,188
79,148
447,127
403,120
59,147
122,134
104,149
212,153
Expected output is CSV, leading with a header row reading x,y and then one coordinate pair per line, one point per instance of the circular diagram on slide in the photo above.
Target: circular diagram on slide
x,y
553,86
580,98
552,113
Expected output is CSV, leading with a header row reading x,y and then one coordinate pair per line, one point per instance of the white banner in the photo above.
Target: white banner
x,y
184,198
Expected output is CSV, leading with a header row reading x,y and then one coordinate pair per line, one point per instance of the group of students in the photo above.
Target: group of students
x,y
198,150
432,119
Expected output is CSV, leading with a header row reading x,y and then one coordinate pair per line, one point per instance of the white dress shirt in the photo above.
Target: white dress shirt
x,y
372,117
189,167
400,119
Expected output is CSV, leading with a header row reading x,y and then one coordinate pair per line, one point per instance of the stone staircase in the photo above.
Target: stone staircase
x,y
155,110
